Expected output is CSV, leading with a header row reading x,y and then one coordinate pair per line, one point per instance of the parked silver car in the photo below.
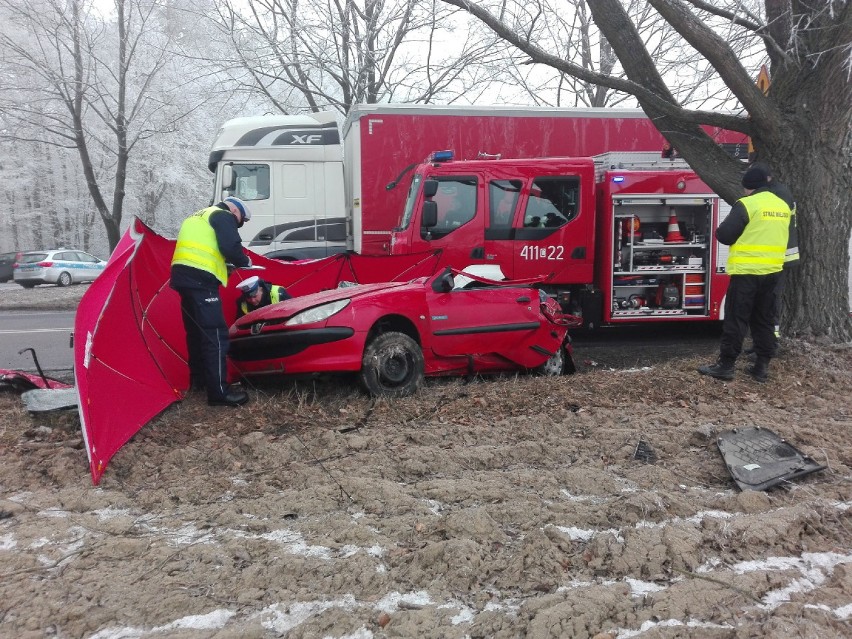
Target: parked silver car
x,y
61,267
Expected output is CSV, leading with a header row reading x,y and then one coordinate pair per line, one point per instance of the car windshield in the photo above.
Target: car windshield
x,y
32,258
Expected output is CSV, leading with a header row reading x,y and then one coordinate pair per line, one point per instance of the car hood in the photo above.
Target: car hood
x,y
290,307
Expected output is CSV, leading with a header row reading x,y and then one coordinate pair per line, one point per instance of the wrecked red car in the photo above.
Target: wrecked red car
x,y
393,334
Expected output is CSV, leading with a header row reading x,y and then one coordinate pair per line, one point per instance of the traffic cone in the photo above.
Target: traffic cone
x,y
674,230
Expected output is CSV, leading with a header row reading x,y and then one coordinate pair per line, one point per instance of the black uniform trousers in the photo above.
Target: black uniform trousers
x,y
750,304
206,339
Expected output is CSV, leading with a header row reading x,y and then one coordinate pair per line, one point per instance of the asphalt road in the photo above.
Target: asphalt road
x,y
48,333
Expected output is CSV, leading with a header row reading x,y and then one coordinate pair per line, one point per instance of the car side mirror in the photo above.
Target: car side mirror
x,y
445,283
430,188
429,219
228,177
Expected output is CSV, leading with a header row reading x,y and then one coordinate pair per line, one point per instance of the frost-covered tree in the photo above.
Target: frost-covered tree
x,y
81,79
316,55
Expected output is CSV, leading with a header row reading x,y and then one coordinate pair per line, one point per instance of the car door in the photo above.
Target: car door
x,y
459,231
503,198
64,262
89,266
501,320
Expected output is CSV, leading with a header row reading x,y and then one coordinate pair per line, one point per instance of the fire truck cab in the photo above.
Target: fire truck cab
x,y
528,216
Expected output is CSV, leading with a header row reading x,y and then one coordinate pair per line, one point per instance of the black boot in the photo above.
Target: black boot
x,y
722,369
759,370
231,398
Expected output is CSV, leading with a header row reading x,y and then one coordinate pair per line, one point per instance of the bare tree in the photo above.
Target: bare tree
x,y
310,54
87,83
802,127
565,28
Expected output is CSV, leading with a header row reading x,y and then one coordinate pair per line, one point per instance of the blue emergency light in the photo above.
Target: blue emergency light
x,y
618,178
442,156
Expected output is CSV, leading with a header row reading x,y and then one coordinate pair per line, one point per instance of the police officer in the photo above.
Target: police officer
x,y
757,230
207,241
257,293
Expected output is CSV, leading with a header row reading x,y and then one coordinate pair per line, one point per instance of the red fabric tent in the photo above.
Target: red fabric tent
x,y
129,343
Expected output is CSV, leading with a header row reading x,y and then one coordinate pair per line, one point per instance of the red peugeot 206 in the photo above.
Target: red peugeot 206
x,y
393,334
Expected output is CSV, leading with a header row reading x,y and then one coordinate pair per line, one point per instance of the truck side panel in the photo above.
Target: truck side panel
x,y
657,255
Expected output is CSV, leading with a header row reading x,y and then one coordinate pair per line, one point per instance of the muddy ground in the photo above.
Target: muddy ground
x,y
510,507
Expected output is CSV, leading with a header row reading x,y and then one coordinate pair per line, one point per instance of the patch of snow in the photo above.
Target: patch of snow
x,y
7,542
465,615
844,612
668,623
110,513
435,507
587,498
641,588
390,602
211,621
281,619
54,512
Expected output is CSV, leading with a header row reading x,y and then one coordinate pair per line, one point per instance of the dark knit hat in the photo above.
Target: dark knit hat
x,y
756,177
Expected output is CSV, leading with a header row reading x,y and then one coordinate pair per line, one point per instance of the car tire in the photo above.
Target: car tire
x,y
392,365
64,279
553,366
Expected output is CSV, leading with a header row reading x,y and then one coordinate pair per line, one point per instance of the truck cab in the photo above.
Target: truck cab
x,y
289,169
530,217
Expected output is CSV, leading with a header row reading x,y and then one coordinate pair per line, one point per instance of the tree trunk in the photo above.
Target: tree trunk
x,y
811,151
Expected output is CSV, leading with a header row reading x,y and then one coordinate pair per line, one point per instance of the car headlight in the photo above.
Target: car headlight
x,y
317,313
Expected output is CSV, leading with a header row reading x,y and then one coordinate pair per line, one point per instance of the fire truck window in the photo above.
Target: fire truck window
x,y
252,181
456,200
502,201
552,202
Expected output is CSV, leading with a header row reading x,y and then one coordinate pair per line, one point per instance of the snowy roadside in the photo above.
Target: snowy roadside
x,y
45,297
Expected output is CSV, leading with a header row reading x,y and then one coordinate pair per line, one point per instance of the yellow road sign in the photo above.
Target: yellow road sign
x,y
763,85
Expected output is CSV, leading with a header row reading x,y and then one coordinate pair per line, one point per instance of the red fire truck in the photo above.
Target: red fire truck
x,y
620,237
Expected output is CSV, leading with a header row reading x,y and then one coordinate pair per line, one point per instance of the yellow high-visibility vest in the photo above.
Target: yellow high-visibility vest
x,y
197,245
760,249
274,296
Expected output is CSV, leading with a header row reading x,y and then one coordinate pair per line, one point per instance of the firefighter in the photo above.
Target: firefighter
x,y
257,293
757,230
207,241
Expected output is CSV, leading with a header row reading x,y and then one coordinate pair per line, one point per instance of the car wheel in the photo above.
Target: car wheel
x,y
555,365
64,279
392,365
